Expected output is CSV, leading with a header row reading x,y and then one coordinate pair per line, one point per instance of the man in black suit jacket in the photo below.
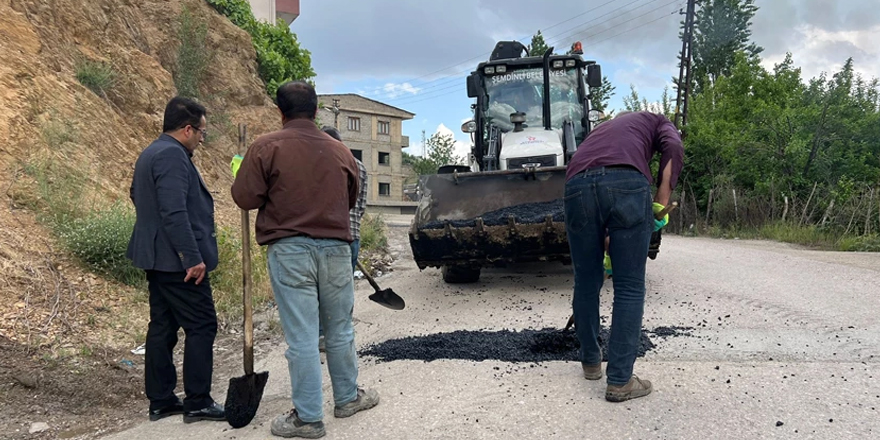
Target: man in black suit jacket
x,y
174,242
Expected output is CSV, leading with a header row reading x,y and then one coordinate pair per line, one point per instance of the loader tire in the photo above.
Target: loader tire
x,y
460,274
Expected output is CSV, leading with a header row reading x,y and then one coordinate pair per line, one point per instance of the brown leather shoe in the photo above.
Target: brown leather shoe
x,y
634,388
592,372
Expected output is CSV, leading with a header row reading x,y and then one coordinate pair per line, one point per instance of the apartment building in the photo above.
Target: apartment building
x,y
373,131
270,10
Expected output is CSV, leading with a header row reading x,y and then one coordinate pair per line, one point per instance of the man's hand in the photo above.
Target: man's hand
x,y
196,272
235,164
656,207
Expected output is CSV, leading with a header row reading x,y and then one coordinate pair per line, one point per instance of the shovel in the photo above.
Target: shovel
x,y
245,392
386,297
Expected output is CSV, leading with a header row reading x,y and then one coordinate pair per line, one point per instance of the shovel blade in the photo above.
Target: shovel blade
x,y
243,398
389,299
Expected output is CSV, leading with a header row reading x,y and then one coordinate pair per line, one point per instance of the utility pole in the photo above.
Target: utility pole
x,y
336,113
424,145
684,73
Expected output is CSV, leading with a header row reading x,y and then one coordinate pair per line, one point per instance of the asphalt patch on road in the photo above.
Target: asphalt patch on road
x,y
525,346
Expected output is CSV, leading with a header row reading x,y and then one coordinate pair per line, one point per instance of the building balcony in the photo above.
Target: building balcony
x,y
271,10
404,141
287,10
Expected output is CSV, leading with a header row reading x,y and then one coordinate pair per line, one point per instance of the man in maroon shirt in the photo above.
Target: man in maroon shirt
x,y
608,191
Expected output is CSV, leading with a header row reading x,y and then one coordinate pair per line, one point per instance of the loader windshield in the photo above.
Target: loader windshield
x,y
523,91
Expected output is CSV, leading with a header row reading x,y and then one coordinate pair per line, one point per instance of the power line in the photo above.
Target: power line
x,y
456,77
455,83
627,21
426,98
484,55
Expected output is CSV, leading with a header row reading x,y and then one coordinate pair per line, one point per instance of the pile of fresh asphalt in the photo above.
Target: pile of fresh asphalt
x,y
524,213
525,346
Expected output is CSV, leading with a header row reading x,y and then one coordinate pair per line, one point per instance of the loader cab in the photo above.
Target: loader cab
x,y
549,91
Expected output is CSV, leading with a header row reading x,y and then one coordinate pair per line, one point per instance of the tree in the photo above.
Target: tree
x,y
440,151
538,46
722,28
409,159
636,103
602,95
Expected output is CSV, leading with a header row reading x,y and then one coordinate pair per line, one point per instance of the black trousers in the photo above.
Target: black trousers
x,y
175,304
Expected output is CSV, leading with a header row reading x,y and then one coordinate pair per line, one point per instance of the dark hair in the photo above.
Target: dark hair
x,y
334,133
181,112
297,99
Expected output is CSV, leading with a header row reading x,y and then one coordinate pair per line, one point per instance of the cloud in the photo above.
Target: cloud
x,y
419,42
821,50
394,49
392,90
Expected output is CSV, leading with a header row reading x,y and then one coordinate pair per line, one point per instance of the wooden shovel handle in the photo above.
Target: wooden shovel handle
x,y
368,277
246,273
666,210
246,297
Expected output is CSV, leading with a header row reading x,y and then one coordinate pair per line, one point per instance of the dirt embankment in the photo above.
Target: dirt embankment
x,y
65,334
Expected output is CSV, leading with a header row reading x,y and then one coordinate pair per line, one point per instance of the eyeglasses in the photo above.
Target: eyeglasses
x,y
203,131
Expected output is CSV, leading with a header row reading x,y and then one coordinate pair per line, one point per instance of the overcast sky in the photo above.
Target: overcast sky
x,y
415,54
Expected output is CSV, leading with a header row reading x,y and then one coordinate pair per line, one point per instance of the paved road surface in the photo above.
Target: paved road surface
x,y
781,335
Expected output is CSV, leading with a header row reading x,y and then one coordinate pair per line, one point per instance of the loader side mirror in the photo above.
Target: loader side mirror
x,y
473,86
594,75
469,127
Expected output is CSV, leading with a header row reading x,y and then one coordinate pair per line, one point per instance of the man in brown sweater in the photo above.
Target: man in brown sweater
x,y
304,183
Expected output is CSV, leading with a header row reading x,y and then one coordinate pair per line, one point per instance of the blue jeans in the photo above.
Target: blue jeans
x,y
313,285
616,200
355,249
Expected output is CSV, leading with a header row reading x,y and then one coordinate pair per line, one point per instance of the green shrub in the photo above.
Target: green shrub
x,y
98,76
100,240
279,55
867,243
193,55
373,233
226,280
57,132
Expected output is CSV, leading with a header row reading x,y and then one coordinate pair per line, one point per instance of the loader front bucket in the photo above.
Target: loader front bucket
x,y
490,218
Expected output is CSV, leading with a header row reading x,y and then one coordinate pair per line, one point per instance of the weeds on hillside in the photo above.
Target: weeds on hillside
x,y
97,76
100,240
280,58
98,236
226,280
373,233
57,131
193,55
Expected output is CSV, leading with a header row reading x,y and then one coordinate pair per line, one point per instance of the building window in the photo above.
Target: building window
x,y
358,154
384,189
354,124
384,127
384,158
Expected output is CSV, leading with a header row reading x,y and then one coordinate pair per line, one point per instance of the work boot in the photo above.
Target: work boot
x,y
290,425
364,401
634,388
592,372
